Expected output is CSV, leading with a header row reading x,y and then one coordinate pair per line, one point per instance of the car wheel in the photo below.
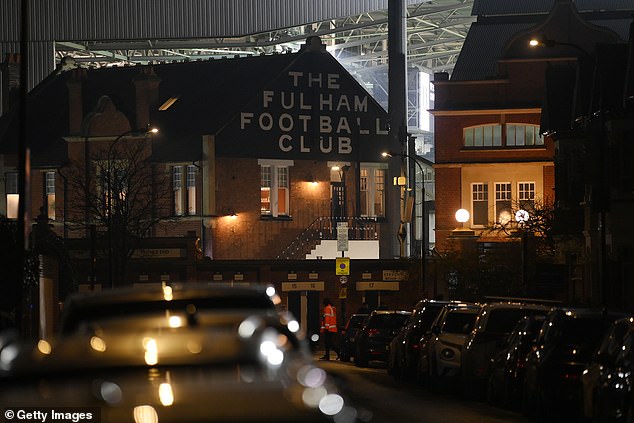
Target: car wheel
x,y
421,373
392,366
528,402
360,360
492,397
432,378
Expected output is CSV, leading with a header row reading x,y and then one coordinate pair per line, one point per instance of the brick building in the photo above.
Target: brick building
x,y
510,125
256,162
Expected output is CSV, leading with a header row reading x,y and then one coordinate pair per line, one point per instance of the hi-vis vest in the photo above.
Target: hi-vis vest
x,y
330,319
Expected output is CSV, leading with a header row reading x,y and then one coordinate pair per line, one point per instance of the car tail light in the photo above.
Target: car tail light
x,y
571,376
414,346
372,332
481,371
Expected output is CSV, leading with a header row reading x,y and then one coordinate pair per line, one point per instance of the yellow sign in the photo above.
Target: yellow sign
x,y
343,293
343,266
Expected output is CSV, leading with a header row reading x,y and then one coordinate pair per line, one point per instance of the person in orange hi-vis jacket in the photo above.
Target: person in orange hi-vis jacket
x,y
329,328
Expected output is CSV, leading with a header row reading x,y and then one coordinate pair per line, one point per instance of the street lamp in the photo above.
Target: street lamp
x,y
110,196
599,201
462,216
423,214
521,217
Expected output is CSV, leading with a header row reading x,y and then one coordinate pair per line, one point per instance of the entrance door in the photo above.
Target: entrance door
x,y
338,200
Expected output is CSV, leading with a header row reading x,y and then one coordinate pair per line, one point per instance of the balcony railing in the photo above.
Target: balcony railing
x,y
359,228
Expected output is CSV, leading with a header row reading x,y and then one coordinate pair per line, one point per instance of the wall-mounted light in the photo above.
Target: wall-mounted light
x,y
168,103
311,180
400,181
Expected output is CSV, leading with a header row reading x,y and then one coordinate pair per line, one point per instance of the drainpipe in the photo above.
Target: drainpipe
x,y
397,111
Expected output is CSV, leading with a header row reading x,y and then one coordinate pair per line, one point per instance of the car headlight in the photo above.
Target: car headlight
x,y
447,353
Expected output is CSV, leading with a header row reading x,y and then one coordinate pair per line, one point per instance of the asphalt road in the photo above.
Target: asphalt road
x,y
381,399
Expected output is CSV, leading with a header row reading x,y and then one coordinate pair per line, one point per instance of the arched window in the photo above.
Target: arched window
x,y
483,136
520,135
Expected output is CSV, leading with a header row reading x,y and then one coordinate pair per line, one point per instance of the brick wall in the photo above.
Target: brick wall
x,y
448,189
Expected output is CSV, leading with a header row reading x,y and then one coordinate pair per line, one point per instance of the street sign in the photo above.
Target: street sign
x,y
342,236
343,266
343,293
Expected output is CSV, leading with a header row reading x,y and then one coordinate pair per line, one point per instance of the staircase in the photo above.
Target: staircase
x,y
325,228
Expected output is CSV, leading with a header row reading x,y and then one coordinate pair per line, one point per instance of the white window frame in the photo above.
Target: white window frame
x,y
482,136
372,187
503,193
11,193
483,196
49,193
177,188
530,138
191,189
184,189
526,195
107,192
279,183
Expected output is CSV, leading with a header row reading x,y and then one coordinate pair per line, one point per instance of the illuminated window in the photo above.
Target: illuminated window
x,y
503,211
480,203
519,135
372,190
191,190
177,187
516,135
483,136
526,195
265,189
49,192
274,187
184,196
11,191
113,185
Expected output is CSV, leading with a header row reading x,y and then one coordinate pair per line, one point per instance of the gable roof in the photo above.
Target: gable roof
x,y
499,21
210,95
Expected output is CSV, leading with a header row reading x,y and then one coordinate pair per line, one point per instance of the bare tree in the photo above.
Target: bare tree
x,y
533,219
122,193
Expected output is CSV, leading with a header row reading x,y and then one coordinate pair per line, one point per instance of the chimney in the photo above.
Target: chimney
x,y
9,81
75,100
146,83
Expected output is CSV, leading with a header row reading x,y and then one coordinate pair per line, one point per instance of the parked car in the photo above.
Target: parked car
x,y
347,343
403,357
608,381
552,384
444,346
192,300
494,323
373,341
238,367
507,366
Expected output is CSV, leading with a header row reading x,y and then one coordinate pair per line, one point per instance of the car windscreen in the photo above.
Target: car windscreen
x,y
427,316
356,322
79,313
582,331
458,322
503,320
387,321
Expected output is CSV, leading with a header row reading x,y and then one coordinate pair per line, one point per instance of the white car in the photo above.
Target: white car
x,y
445,344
